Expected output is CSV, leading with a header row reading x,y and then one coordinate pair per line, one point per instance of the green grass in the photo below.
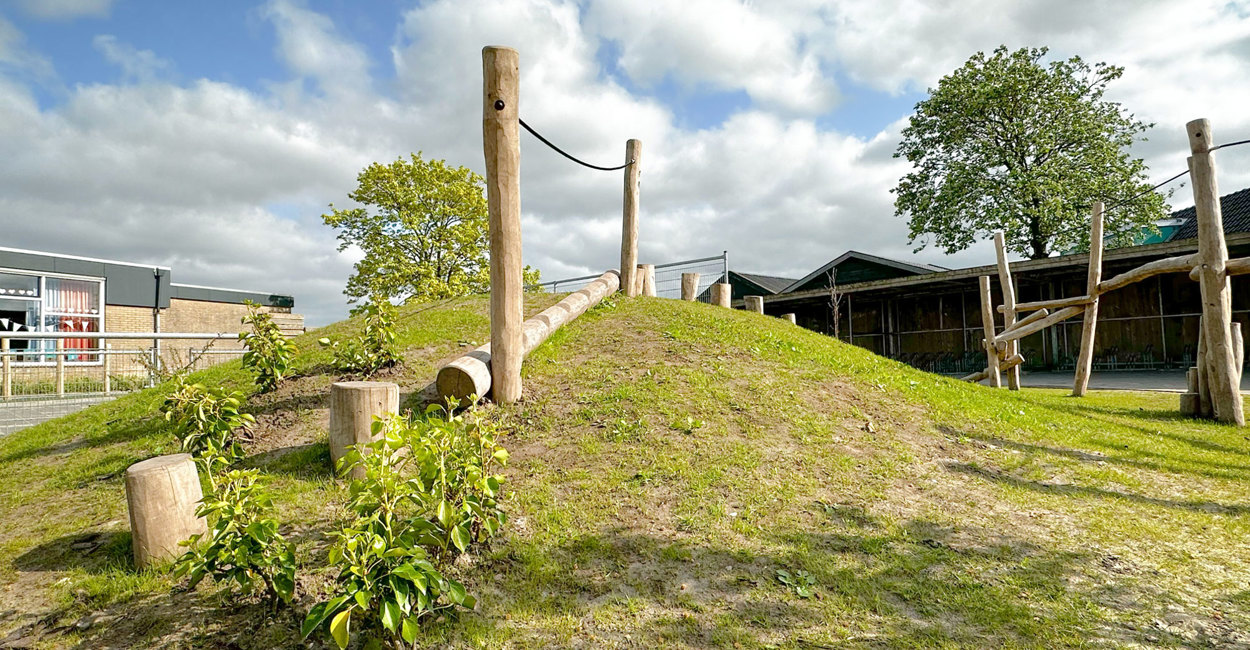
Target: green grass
x,y
668,459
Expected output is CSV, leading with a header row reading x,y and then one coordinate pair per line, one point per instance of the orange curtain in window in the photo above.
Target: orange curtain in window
x,y
74,297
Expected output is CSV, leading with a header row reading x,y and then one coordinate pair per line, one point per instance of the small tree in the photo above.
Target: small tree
x,y
269,352
1007,143
835,302
423,230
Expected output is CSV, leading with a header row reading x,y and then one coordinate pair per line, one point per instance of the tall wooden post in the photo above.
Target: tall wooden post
x,y
987,322
1214,283
629,219
1085,360
1009,306
689,286
8,369
502,147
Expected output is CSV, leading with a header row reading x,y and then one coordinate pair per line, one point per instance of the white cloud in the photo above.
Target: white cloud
x,y
724,44
226,184
136,64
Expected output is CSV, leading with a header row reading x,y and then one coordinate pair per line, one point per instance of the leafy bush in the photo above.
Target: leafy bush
x,y
269,352
208,422
405,530
375,348
243,547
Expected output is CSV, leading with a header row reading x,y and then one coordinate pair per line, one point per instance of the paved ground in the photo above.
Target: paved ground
x,y
1166,380
17,414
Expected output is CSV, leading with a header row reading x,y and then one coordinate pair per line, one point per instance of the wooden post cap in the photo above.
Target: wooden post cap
x,y
1199,132
353,405
162,494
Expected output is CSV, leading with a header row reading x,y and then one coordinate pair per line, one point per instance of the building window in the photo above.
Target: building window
x,y
39,303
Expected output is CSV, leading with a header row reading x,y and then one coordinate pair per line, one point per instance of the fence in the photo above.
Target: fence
x,y
44,375
667,277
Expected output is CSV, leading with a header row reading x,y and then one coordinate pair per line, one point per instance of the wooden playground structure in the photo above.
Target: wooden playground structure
x,y
495,367
1214,382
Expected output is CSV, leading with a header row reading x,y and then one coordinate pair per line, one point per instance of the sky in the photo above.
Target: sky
x,y
211,137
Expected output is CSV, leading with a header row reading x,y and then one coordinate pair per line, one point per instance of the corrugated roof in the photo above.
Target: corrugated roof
x,y
1236,210
772,283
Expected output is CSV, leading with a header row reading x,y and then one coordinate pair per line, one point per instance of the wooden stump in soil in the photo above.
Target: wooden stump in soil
x,y
161,495
353,405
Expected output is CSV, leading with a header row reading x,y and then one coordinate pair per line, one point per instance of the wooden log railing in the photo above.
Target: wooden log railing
x,y
470,374
1051,304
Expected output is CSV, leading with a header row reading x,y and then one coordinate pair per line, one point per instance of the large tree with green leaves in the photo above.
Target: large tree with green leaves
x,y
422,226
1010,143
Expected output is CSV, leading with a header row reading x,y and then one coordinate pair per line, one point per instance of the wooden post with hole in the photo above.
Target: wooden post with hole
x,y
1009,305
629,218
1212,278
689,286
987,323
60,367
1085,360
8,369
502,148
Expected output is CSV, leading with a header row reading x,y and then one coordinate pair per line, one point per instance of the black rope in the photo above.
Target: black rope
x,y
1141,194
568,155
1229,144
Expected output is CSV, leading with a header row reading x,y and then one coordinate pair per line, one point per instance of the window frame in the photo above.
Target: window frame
x,y
42,315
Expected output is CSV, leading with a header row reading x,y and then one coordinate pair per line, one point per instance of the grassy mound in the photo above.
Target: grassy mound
x,y
671,462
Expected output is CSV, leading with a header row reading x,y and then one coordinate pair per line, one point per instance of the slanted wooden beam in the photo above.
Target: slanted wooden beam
x,y
987,323
1149,270
1085,360
1039,324
1009,304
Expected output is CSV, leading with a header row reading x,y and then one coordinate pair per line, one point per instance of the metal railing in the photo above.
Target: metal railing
x,y
48,374
667,277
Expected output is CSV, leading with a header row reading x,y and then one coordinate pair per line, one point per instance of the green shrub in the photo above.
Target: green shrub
x,y
375,348
269,352
244,548
407,530
208,422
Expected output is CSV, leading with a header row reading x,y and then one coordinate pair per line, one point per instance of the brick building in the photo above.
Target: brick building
x,y
50,292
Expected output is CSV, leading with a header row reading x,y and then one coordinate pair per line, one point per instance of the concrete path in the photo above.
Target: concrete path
x,y
1163,380
17,414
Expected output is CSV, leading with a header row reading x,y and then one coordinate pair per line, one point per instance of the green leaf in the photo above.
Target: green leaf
x,y
443,512
390,615
460,537
456,592
409,632
340,627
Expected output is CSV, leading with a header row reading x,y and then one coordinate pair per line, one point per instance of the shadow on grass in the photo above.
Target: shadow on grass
x,y
877,585
1067,489
94,552
118,432
309,460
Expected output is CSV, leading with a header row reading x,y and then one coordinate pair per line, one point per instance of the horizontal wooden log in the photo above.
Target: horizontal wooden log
x,y
1050,304
1239,266
1006,364
470,374
1039,324
1181,263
